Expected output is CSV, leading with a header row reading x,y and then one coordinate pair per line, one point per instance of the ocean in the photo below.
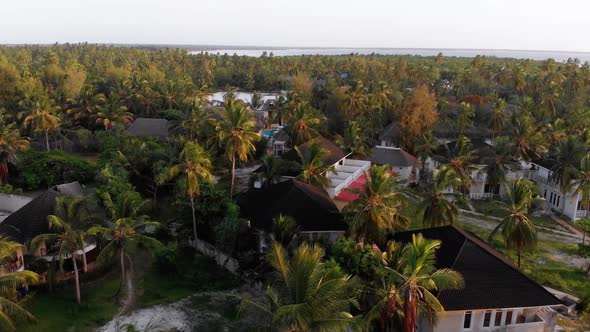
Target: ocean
x,y
534,55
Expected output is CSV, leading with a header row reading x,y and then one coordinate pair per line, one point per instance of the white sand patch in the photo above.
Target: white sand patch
x,y
161,317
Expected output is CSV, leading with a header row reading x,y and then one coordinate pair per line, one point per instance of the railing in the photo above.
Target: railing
x,y
50,258
480,195
536,324
581,213
360,165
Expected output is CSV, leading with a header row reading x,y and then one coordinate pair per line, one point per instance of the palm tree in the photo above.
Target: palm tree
x,y
43,119
9,282
497,118
303,124
70,242
565,157
378,209
285,231
581,182
236,133
436,207
354,139
518,231
498,163
459,165
313,165
305,295
11,142
409,281
113,112
125,232
271,170
527,139
84,108
195,167
424,148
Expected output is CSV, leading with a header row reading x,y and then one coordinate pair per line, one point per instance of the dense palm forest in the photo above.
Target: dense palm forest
x,y
64,110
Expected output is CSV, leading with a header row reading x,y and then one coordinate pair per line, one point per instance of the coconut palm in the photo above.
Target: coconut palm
x,y
194,168
236,135
305,295
424,148
354,139
284,231
313,165
43,118
70,242
499,162
438,208
113,112
518,231
408,282
581,182
565,157
527,139
271,170
497,118
126,230
378,210
11,142
458,165
10,282
302,125
83,109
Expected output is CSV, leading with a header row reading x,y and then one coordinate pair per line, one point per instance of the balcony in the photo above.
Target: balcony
x,y
52,255
480,195
581,213
346,172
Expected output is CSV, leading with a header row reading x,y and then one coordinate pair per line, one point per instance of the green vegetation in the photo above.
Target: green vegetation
x,y
58,311
45,169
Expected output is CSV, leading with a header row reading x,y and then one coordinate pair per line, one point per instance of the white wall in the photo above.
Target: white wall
x,y
453,321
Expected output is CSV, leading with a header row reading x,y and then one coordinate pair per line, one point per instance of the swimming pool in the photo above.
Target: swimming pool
x,y
268,134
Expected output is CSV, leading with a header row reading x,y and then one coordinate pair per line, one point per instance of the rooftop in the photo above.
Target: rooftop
x,y
491,280
148,127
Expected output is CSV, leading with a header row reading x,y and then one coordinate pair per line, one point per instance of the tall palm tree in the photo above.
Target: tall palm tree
x,y
313,165
11,142
126,230
354,139
581,182
70,242
305,296
378,209
409,281
9,282
458,164
271,169
303,124
518,231
236,134
499,162
424,149
436,207
565,157
195,167
43,119
497,118
83,109
526,137
113,112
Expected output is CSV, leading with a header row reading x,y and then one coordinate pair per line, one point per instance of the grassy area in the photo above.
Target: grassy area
x,y
194,274
59,312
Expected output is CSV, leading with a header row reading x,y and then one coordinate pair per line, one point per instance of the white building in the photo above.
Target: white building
x,y
401,162
496,296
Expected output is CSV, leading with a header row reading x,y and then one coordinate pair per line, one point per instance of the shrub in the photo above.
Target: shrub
x,y
46,169
166,257
583,250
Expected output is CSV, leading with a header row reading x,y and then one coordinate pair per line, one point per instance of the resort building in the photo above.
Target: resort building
x,y
406,166
29,219
497,296
312,209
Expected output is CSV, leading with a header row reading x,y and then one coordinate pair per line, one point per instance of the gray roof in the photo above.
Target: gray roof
x,y
71,189
382,155
391,133
147,127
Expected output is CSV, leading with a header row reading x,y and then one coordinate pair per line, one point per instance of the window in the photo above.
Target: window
x,y
508,319
467,320
487,317
545,194
558,198
498,319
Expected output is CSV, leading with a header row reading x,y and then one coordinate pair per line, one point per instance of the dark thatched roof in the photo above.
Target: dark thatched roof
x,y
491,280
335,152
312,208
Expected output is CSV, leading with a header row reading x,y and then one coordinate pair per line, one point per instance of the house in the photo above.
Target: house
x,y
567,203
480,188
30,220
346,170
313,210
401,162
497,296
148,127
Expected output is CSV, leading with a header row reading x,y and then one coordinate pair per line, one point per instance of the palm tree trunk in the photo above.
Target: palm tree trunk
x,y
122,262
233,175
410,313
76,278
84,261
47,138
518,255
194,218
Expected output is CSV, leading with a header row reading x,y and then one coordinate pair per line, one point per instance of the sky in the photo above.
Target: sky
x,y
472,24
